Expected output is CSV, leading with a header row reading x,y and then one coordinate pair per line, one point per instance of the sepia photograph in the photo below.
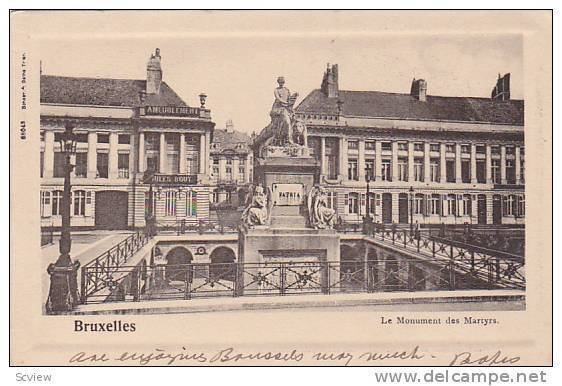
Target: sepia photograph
x,y
284,169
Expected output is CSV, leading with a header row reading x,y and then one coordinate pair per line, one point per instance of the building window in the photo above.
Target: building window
x,y
522,171
385,170
152,162
402,169
45,204
435,204
370,169
451,204
481,172
480,149
59,161
103,138
332,200
353,145
241,171
418,169
57,203
521,206
216,161
124,139
510,171
450,169
434,170
191,203
172,153
418,204
369,145
372,203
466,205
229,161
215,171
171,197
496,176
465,149
450,148
465,171
509,205
41,163
510,150
79,202
123,165
386,146
81,168
354,203
402,146
495,150
102,165
228,175
434,147
418,146
352,169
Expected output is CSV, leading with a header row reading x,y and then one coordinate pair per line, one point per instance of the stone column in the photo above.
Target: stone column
x,y
394,162
517,165
378,160
49,156
92,154
113,155
361,161
247,175
488,164
323,164
458,167
426,162
162,156
503,176
141,152
206,158
203,154
235,164
343,158
473,179
222,168
442,163
182,154
410,163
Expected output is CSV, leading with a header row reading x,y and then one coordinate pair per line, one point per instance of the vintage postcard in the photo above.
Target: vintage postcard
x,y
281,188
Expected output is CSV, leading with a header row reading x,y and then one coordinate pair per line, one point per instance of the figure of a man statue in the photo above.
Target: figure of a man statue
x,y
282,111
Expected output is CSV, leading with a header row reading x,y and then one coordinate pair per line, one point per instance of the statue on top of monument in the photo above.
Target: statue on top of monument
x,y
285,130
258,207
321,216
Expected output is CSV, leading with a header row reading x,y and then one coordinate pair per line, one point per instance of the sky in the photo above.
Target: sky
x,y
235,58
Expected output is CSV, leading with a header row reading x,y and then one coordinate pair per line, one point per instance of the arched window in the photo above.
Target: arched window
x,y
79,201
57,203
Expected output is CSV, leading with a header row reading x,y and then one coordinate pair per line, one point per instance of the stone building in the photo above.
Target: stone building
x,y
130,134
428,159
231,169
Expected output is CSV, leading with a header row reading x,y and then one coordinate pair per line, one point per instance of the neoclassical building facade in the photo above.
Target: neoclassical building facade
x,y
131,135
427,159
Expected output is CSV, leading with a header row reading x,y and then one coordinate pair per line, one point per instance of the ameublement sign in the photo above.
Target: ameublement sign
x,y
172,111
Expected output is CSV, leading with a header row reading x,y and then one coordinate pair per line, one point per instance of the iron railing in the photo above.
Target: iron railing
x,y
95,272
201,280
182,227
502,268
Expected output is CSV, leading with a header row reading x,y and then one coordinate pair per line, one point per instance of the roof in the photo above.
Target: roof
x,y
231,140
103,92
405,106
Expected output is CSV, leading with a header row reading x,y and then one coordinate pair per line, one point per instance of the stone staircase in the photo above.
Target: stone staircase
x,y
287,217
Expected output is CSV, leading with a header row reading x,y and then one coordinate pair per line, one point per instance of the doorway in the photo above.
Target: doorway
x,y
403,208
387,208
482,214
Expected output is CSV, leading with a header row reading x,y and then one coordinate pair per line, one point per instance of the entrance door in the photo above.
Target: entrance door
x,y
403,208
387,208
497,209
111,210
482,209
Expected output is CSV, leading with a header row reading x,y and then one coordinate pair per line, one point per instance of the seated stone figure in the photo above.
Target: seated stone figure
x,y
257,211
320,215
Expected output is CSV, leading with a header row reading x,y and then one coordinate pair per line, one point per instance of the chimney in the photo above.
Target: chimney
x,y
419,89
330,82
154,73
501,91
229,126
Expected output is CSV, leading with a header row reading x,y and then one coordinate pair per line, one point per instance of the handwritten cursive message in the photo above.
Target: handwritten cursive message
x,y
231,356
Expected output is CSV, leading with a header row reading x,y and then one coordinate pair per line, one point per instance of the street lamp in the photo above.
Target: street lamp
x,y
411,190
367,221
63,291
